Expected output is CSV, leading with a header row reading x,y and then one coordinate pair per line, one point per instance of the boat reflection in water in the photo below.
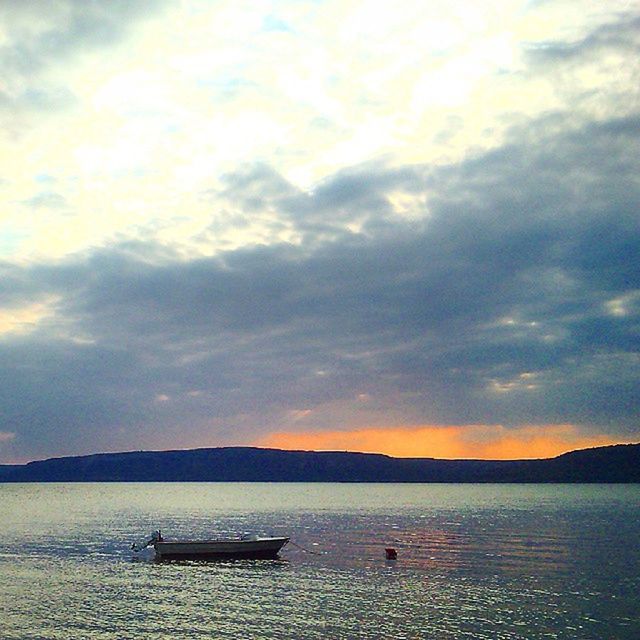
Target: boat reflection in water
x,y
248,546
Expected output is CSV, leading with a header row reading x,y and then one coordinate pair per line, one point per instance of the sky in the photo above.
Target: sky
x,y
409,228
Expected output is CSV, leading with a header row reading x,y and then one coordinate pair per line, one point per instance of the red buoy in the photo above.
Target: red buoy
x,y
392,554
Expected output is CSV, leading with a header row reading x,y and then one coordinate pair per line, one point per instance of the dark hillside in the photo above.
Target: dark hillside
x,y
619,463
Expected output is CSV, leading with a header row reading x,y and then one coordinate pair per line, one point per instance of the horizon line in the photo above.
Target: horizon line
x,y
263,448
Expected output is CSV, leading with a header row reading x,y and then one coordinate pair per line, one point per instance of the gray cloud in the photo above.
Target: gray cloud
x,y
621,35
356,195
513,299
47,200
42,35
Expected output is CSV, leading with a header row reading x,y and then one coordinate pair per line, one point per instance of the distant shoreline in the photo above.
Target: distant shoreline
x,y
609,464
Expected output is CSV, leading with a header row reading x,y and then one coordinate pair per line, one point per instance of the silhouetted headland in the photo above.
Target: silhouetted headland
x,y
617,463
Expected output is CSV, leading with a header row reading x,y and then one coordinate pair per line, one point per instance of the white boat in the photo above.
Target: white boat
x,y
247,546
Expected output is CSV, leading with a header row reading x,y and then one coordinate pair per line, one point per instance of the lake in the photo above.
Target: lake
x,y
474,561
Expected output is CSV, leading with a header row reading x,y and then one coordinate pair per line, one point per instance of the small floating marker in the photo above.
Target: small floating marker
x,y
392,554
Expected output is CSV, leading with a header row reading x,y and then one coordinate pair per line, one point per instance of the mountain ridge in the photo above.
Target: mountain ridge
x,y
613,463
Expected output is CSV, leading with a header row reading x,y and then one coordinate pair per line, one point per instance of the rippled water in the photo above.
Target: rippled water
x,y
474,561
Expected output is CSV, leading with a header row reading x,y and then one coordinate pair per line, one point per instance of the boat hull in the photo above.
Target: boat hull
x,y
261,549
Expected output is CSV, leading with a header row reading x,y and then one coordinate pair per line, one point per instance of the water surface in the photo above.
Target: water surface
x,y
474,561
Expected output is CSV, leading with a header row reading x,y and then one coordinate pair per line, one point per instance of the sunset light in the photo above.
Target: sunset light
x,y
491,442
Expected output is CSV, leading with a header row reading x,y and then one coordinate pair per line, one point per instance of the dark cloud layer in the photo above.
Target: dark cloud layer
x,y
512,298
621,34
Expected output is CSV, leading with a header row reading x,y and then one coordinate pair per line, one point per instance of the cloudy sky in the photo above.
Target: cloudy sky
x,y
407,227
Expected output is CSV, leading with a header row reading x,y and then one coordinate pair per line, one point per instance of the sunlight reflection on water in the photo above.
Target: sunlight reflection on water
x,y
477,561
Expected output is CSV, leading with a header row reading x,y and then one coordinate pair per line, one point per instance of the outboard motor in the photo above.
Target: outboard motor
x,y
156,536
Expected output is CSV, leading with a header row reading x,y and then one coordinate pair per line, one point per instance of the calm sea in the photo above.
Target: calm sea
x,y
474,561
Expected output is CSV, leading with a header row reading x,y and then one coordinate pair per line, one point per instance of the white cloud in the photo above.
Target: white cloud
x,y
160,108
25,318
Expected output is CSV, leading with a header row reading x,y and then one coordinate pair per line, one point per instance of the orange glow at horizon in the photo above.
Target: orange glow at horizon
x,y
484,442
